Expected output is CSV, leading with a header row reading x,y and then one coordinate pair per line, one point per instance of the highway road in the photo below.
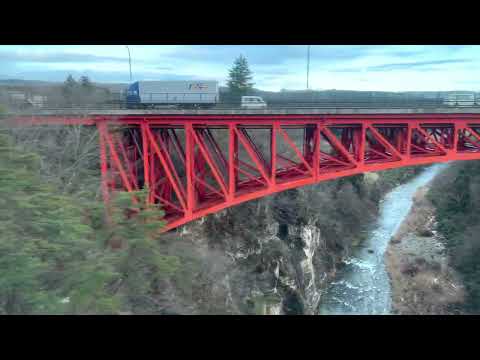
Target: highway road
x,y
268,111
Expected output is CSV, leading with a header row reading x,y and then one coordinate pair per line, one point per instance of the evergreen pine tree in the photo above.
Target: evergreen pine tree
x,y
55,256
49,259
86,85
69,89
141,261
240,76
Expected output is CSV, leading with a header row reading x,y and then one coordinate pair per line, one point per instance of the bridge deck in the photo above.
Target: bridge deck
x,y
275,111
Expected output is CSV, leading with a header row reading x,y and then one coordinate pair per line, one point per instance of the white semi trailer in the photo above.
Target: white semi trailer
x,y
189,94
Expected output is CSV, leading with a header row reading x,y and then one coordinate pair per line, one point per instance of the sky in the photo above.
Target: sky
x,y
274,67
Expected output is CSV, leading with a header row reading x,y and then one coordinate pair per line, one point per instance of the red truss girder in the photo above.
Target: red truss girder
x,y
197,165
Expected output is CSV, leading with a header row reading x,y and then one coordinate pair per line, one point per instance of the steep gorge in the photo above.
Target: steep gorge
x,y
269,256
433,259
279,252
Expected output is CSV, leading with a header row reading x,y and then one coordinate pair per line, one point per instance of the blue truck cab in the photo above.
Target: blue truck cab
x,y
133,94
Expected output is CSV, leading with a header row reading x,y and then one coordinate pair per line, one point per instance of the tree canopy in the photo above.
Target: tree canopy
x,y
86,85
83,91
68,89
55,256
239,77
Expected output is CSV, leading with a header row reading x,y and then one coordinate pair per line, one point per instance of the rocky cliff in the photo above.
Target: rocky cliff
x,y
275,255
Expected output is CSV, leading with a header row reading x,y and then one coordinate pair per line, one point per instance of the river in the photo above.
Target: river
x,y
362,287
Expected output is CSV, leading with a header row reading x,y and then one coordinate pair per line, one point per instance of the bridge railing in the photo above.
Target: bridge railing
x,y
330,104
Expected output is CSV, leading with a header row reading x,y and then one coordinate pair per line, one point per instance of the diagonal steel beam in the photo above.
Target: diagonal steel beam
x,y
333,158
425,150
176,187
294,147
210,162
251,152
381,154
118,163
171,167
208,186
218,151
250,176
473,132
337,144
166,202
378,136
295,165
253,146
127,161
429,137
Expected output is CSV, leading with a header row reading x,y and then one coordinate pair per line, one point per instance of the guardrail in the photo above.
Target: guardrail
x,y
292,105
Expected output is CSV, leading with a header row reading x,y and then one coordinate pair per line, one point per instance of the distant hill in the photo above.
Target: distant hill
x,y
34,83
30,83
114,88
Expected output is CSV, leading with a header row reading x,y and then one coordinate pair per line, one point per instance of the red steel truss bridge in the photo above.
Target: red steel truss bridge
x,y
198,164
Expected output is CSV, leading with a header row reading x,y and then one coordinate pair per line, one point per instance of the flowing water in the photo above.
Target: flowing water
x,y
363,285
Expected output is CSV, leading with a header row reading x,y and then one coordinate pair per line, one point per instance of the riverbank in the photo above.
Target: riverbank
x,y
362,286
422,280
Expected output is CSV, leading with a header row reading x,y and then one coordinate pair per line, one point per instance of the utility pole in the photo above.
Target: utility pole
x,y
129,62
308,63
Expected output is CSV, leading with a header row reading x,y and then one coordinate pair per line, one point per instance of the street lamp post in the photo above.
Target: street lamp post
x,y
129,62
308,63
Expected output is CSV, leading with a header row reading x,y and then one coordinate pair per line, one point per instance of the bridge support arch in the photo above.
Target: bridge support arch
x,y
195,165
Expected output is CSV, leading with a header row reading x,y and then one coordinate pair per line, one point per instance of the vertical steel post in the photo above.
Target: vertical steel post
x,y
189,163
409,140
273,153
316,154
146,163
154,170
232,154
362,144
101,126
455,137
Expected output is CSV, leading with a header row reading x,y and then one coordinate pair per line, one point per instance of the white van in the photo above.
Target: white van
x,y
253,102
